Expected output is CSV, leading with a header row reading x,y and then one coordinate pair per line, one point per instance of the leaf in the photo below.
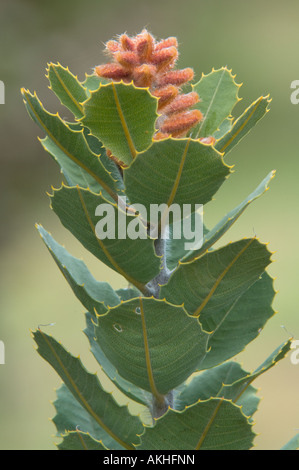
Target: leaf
x,y
216,382
126,387
224,127
212,236
243,324
217,288
229,381
209,286
85,387
293,444
128,293
240,387
80,441
176,247
67,88
218,93
215,424
122,117
70,149
243,124
94,295
175,171
71,416
92,82
152,344
133,259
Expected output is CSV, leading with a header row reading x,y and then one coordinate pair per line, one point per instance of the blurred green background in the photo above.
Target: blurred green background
x,y
259,41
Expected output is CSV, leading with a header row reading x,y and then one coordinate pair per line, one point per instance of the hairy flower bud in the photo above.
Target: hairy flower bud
x,y
150,64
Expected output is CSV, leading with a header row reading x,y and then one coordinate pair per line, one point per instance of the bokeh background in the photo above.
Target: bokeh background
x,y
259,41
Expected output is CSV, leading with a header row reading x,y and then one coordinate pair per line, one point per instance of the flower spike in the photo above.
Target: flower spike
x,y
150,64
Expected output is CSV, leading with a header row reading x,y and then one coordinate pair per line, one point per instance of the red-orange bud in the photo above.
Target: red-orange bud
x,y
165,58
144,75
127,43
176,77
112,46
144,46
126,58
113,71
182,102
178,124
166,43
165,95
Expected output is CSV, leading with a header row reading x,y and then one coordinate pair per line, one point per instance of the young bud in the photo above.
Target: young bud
x,y
144,46
127,43
165,58
178,124
165,95
176,77
166,43
182,102
143,75
127,58
113,71
112,47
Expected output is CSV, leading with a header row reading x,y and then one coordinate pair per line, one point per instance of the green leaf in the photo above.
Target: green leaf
x,y
218,93
209,286
229,381
243,124
293,444
175,171
126,387
94,295
80,441
224,127
92,83
67,88
152,344
134,259
216,382
71,416
122,117
223,226
215,424
176,247
238,390
86,388
217,288
128,293
70,149
243,323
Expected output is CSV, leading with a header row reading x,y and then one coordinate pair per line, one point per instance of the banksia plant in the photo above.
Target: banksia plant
x,y
137,172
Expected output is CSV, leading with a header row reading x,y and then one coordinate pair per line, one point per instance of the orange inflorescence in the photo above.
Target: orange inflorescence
x,y
149,63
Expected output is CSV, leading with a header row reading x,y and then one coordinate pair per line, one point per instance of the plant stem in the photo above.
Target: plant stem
x,y
160,407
